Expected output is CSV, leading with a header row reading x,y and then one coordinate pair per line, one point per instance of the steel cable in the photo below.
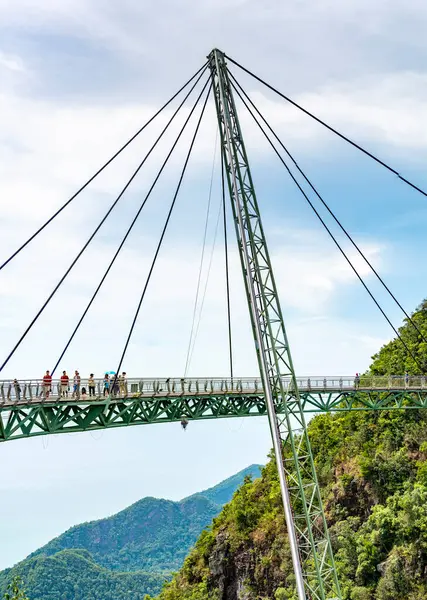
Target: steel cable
x,y
205,232
341,135
165,227
206,283
227,277
90,239
84,186
330,233
411,321
137,214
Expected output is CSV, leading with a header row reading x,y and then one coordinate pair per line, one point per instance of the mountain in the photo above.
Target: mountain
x,y
73,575
223,492
151,535
372,468
129,553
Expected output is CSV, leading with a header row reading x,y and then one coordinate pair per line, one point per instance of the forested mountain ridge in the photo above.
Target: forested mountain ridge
x,y
73,575
152,535
126,555
223,492
372,468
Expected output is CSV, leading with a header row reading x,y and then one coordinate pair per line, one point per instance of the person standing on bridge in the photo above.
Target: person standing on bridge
x,y
406,378
17,389
123,384
47,384
91,385
114,385
356,381
76,384
65,382
106,391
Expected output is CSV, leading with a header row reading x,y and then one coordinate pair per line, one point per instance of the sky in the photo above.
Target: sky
x,y
77,79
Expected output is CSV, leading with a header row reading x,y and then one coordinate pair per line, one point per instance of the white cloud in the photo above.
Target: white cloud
x,y
310,277
388,112
48,149
11,62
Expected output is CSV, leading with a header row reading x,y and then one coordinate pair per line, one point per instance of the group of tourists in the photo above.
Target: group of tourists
x,y
114,385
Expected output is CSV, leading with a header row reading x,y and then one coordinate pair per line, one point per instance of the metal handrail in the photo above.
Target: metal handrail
x,y
34,389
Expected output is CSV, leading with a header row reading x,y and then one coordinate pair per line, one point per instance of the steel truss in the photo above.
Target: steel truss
x,y
310,544
31,418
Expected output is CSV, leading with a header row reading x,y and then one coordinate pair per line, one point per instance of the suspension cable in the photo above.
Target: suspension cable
x,y
206,283
164,230
35,234
89,240
341,135
227,277
330,233
132,223
187,364
411,321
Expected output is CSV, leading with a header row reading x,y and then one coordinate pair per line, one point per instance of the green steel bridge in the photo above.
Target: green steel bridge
x,y
144,401
29,408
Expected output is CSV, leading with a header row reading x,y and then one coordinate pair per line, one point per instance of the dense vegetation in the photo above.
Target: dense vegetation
x,y
151,535
127,555
73,575
373,471
15,590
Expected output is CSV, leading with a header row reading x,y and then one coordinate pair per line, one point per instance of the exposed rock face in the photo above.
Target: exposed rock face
x,y
374,483
372,469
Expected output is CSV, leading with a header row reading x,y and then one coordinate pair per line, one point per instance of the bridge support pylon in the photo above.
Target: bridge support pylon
x,y
312,556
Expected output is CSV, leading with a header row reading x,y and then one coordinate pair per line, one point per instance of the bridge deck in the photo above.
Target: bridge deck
x,y
28,412
33,390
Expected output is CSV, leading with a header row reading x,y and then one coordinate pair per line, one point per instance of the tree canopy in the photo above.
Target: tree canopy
x,y
372,468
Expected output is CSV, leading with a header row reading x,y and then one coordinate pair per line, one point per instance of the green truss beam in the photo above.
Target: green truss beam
x,y
34,418
309,540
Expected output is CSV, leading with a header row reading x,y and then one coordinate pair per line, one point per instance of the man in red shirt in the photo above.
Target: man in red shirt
x,y
47,384
65,380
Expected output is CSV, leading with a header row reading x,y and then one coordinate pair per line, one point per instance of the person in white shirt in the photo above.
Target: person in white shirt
x,y
123,384
76,385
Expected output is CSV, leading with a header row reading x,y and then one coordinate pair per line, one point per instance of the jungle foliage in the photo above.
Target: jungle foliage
x,y
127,555
372,469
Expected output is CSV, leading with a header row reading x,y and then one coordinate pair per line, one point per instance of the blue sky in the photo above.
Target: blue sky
x,y
79,77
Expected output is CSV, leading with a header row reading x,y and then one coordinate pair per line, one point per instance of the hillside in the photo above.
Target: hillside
x,y
73,575
372,468
126,555
151,535
223,492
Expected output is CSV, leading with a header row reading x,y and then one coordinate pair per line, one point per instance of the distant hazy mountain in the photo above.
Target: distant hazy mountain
x,y
132,550
223,492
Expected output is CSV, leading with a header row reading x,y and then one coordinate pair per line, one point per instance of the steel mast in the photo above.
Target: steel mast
x,y
310,544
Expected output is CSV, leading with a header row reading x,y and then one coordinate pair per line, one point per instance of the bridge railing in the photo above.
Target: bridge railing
x,y
34,390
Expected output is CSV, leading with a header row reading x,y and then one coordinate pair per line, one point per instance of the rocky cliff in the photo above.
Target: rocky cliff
x,y
373,473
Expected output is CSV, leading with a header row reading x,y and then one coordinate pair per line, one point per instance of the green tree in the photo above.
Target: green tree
x,y
15,590
372,468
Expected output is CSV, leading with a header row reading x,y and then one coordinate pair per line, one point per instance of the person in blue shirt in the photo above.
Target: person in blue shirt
x,y
106,384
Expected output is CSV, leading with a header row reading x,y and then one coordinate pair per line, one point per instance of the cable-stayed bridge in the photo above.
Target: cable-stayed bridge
x,y
28,413
41,407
